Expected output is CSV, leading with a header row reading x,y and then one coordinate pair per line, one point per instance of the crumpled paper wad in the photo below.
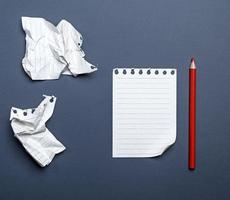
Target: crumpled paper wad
x,y
52,51
30,129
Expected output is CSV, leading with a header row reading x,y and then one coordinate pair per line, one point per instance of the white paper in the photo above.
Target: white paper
x,y
30,129
144,111
52,51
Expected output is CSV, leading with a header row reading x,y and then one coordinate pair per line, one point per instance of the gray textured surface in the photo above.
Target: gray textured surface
x,y
119,33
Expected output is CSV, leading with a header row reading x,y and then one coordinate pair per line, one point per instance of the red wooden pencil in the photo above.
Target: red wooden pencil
x,y
192,115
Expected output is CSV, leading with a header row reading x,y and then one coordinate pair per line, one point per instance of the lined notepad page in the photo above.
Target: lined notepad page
x,y
144,111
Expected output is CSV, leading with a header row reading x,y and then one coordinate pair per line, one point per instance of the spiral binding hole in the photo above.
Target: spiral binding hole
x,y
172,72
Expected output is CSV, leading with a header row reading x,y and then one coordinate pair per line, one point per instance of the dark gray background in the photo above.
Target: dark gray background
x,y
161,33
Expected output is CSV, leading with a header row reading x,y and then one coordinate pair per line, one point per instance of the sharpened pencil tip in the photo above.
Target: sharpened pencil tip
x,y
192,65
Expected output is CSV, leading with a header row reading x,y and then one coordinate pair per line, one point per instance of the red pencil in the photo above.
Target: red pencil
x,y
192,115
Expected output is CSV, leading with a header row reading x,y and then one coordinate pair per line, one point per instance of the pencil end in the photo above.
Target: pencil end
x,y
192,65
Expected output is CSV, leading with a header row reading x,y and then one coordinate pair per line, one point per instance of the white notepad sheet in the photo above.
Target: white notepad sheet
x,y
144,111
